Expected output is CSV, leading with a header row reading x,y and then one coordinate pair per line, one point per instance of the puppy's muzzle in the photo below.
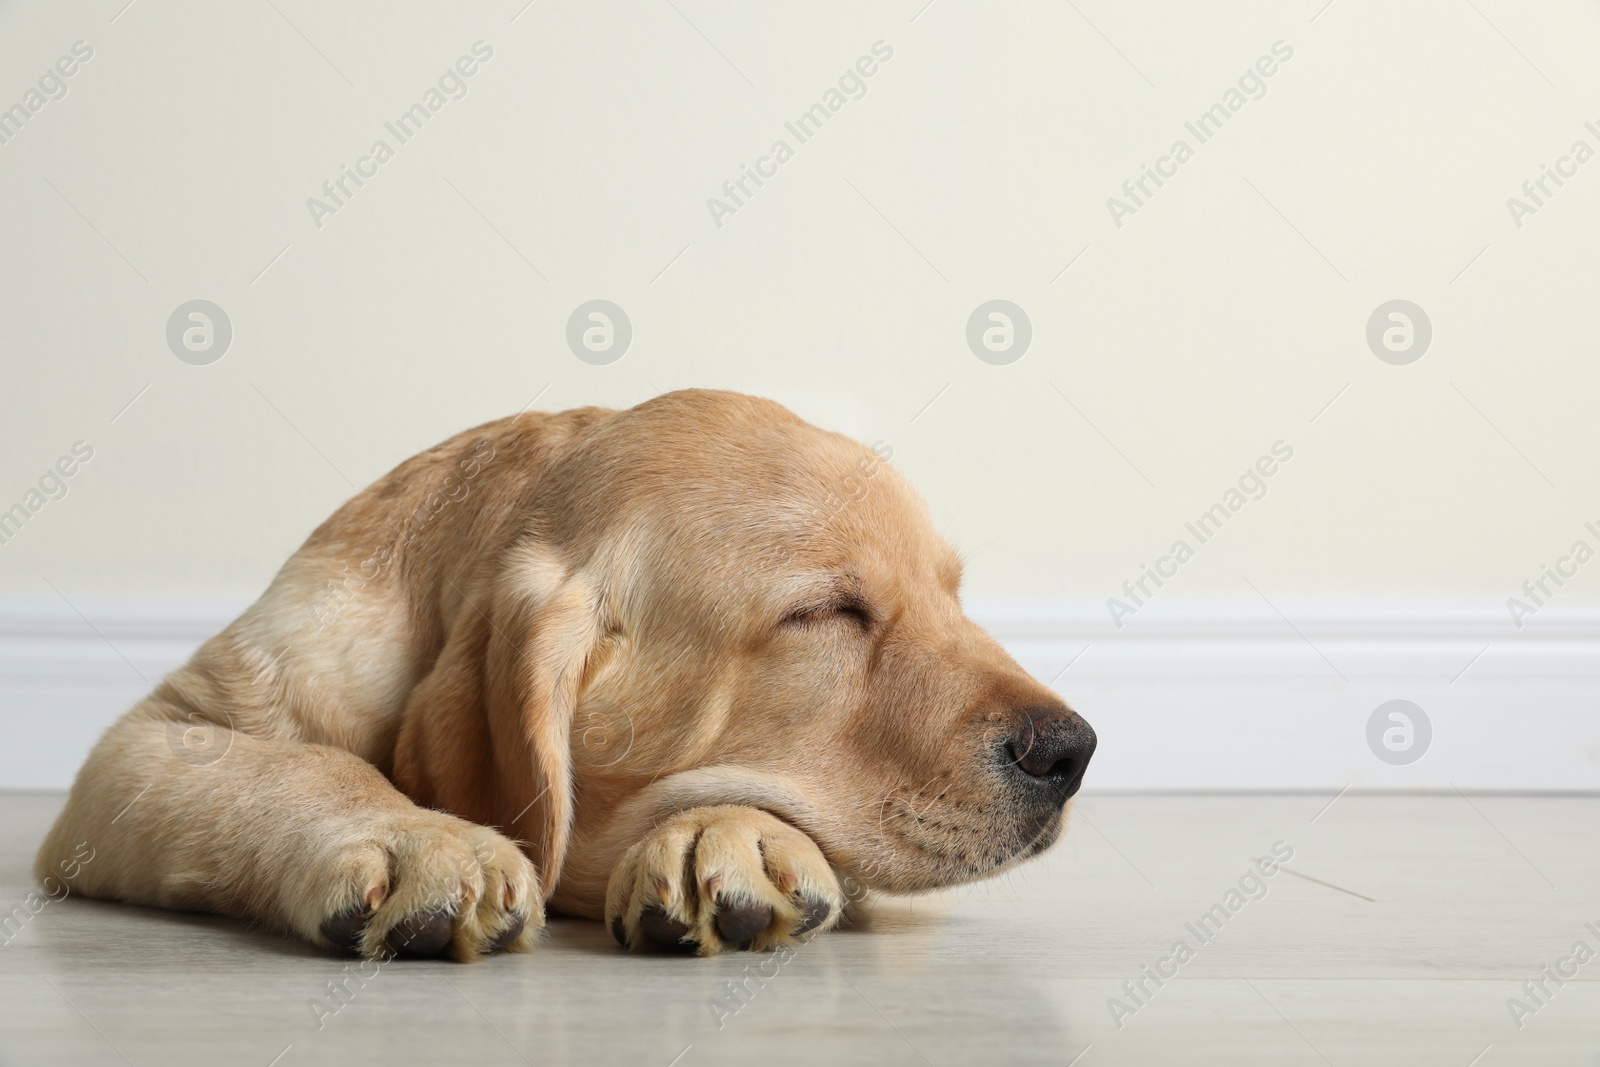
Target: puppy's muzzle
x,y
1047,753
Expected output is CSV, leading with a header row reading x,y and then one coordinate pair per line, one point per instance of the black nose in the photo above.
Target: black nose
x,y
1051,746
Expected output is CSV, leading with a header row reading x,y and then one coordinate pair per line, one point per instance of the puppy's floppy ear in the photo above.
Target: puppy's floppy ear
x,y
547,627
485,735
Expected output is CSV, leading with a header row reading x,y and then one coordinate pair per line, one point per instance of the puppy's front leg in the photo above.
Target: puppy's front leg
x,y
722,877
298,836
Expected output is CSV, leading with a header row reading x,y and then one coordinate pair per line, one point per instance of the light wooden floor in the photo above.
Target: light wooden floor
x,y
1445,906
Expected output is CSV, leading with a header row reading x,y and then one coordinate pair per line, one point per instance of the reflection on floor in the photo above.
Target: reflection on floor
x,y
1233,930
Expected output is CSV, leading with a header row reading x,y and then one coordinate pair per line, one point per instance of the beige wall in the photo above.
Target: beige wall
x,y
1219,318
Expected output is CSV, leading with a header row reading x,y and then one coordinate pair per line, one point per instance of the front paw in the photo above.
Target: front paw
x,y
428,885
717,878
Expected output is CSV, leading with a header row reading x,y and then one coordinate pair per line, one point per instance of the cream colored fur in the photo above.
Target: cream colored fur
x,y
691,652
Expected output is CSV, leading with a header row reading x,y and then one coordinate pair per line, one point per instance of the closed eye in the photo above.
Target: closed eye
x,y
852,611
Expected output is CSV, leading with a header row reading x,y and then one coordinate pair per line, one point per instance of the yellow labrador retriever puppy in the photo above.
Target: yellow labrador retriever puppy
x,y
692,669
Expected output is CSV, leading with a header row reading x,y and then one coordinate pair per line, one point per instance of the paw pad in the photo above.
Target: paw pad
x,y
425,934
813,913
345,928
739,921
664,930
509,934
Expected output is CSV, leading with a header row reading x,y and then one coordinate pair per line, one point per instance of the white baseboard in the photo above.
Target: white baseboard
x,y
1186,695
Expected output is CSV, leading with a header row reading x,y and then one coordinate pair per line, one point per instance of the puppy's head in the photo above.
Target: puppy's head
x,y
773,608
